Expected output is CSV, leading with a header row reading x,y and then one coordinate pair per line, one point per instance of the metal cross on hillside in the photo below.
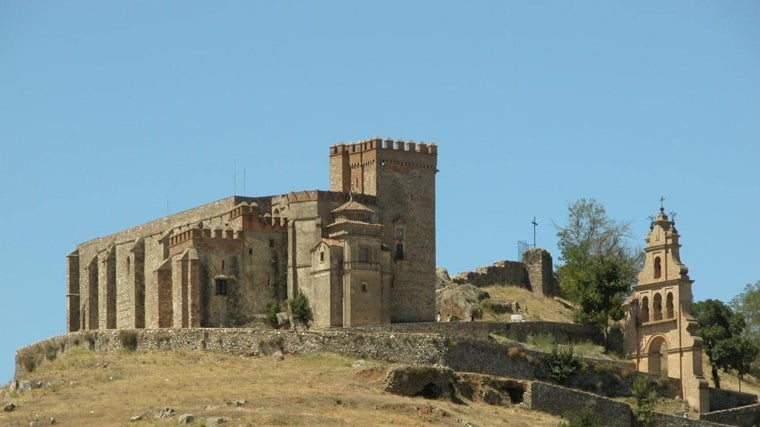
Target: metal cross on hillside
x,y
534,231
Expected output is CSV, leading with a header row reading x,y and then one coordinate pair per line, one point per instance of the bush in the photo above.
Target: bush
x,y
562,363
645,392
27,361
586,417
300,308
50,352
273,307
128,339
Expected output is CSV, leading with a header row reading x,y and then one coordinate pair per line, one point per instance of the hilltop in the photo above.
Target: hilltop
x,y
88,388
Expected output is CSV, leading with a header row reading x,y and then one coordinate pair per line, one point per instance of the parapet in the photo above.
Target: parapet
x,y
380,144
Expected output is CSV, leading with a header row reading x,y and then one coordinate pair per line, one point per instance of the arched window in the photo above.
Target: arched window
x,y
669,306
657,268
644,309
657,307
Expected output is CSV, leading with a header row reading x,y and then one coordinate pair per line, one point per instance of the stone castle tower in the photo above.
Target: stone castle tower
x,y
660,333
363,252
403,180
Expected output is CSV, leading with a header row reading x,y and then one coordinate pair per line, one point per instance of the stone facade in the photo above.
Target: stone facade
x,y
660,332
363,252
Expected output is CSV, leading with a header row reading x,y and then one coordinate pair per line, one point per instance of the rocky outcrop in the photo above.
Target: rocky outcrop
x,y
442,382
460,302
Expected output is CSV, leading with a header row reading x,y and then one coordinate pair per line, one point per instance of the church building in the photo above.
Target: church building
x,y
660,333
363,253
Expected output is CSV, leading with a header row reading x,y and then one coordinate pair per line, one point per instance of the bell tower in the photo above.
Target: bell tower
x,y
660,334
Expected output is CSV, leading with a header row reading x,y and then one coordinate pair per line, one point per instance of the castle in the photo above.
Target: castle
x,y
363,253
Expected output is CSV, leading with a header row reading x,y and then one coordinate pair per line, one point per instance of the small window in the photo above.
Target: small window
x,y
221,286
222,265
250,251
399,251
363,254
364,287
322,256
400,233
271,243
657,268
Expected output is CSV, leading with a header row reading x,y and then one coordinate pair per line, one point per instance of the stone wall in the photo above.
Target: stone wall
x,y
560,401
518,331
746,416
416,349
510,273
721,399
535,272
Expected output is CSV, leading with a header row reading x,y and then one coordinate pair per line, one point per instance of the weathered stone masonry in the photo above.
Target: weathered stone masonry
x,y
362,252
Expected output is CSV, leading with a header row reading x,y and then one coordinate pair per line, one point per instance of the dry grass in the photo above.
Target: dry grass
x,y
539,307
86,388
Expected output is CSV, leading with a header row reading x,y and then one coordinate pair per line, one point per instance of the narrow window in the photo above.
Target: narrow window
x,y
250,251
221,286
364,287
322,256
399,251
657,268
669,306
222,265
644,310
657,307
363,254
271,243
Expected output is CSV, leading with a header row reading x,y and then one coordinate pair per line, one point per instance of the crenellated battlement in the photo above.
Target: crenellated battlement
x,y
204,234
380,144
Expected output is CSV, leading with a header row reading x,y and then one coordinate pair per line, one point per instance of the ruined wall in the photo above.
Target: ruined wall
x,y
510,273
535,272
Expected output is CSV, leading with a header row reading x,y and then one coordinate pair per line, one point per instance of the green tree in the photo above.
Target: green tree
x,y
747,304
599,266
721,329
300,308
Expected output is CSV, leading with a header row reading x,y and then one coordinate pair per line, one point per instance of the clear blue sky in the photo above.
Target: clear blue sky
x,y
113,113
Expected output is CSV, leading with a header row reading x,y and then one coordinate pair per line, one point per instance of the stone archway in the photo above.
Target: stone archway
x,y
657,356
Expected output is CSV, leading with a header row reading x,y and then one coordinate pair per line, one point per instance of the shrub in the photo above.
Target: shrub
x,y
28,361
128,339
645,393
586,417
273,307
562,362
50,352
515,352
300,308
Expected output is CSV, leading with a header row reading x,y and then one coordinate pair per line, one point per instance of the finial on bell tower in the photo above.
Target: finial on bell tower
x,y
662,204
